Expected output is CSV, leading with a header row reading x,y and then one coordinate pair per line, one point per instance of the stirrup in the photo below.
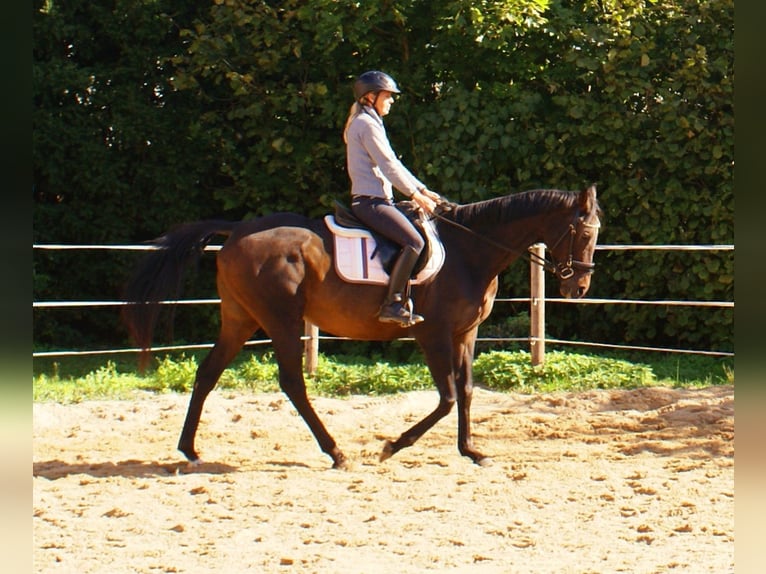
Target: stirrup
x,y
398,311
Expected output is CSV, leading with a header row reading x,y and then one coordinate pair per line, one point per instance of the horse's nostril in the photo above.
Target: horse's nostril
x,y
581,291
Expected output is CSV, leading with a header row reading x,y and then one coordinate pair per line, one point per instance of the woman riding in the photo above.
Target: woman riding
x,y
374,169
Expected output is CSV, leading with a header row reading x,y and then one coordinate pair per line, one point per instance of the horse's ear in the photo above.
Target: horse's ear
x,y
588,198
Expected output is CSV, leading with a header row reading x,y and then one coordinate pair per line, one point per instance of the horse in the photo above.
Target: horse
x,y
275,272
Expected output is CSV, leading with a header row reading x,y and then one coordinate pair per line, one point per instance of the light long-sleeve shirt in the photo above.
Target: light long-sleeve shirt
x,y
371,162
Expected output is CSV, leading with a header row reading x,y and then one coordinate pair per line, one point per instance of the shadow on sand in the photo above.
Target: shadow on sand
x,y
55,469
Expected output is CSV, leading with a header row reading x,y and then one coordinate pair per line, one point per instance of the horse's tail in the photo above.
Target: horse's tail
x,y
160,275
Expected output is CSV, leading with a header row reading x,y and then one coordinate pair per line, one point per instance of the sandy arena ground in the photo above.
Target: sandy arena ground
x,y
599,482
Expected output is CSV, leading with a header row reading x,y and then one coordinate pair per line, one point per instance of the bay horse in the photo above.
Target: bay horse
x,y
276,271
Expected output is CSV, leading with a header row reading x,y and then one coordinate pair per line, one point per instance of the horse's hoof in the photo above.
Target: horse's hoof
x,y
190,467
341,463
388,451
484,461
189,452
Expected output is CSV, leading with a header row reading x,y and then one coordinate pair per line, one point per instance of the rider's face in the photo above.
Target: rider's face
x,y
383,102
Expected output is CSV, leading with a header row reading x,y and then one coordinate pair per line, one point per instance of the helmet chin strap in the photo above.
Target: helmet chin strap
x,y
373,103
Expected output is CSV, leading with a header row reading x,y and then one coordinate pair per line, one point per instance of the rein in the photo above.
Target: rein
x,y
556,268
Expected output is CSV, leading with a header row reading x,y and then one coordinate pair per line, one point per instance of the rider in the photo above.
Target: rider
x,y
373,168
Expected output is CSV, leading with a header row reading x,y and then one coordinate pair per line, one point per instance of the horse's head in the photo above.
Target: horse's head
x,y
572,252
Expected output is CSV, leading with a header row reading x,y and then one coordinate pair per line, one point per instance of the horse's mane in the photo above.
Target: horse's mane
x,y
514,206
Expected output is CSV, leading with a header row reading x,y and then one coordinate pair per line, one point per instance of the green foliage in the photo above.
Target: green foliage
x,y
147,114
355,375
103,382
696,370
115,159
561,371
634,96
360,376
176,376
258,372
499,326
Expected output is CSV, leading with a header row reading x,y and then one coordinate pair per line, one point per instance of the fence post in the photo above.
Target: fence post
x,y
311,348
537,305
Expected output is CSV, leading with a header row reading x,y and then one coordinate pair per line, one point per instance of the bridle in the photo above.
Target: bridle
x,y
567,270
561,271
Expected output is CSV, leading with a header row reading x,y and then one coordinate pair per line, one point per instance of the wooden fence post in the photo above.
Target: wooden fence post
x,y
537,305
311,348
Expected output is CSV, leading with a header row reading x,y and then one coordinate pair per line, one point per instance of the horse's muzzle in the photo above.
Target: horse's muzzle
x,y
575,287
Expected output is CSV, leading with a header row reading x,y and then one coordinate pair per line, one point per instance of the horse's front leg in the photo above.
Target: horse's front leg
x,y
464,386
439,361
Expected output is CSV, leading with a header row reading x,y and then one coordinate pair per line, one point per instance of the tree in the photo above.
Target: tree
x,y
236,108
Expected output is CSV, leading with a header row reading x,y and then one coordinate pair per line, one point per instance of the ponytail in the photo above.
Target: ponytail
x,y
356,109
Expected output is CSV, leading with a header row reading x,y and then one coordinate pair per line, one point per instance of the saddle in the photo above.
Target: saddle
x,y
364,256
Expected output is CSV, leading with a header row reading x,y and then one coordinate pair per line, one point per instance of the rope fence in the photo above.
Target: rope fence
x,y
312,337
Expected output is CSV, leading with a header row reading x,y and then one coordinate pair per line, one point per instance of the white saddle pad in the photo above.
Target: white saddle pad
x,y
354,261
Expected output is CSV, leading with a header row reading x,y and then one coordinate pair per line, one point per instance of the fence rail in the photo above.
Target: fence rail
x,y
537,302
588,301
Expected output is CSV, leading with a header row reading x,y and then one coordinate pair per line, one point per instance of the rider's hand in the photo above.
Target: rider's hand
x,y
425,200
435,197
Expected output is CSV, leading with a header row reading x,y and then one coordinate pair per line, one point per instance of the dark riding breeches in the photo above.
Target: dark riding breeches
x,y
385,218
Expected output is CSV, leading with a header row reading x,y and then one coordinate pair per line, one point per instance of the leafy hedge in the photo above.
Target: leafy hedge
x,y
147,114
346,375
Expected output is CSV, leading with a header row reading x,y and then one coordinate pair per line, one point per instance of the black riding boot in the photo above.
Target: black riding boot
x,y
393,309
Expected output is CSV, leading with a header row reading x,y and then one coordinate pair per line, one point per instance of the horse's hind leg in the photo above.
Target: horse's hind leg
x,y
234,333
288,348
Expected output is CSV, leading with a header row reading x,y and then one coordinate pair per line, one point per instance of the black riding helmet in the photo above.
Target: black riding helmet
x,y
374,81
